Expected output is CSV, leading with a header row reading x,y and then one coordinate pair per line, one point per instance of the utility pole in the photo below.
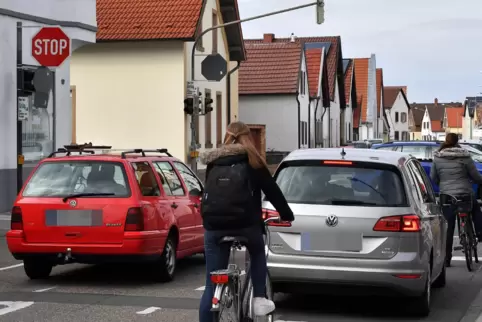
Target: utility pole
x,y
320,18
20,84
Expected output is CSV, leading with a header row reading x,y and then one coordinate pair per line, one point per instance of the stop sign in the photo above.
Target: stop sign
x,y
50,46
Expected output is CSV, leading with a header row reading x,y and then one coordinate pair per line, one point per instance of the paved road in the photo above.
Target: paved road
x,y
122,293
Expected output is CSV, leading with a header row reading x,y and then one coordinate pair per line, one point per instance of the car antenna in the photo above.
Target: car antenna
x,y
343,153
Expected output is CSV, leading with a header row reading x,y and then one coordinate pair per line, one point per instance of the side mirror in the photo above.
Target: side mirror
x,y
195,192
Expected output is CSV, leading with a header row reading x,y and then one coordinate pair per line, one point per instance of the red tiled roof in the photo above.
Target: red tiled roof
x,y
454,116
147,19
348,81
379,89
332,57
356,116
436,126
270,68
313,64
361,83
391,94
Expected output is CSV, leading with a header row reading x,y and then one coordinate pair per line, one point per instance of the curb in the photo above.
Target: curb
x,y
474,312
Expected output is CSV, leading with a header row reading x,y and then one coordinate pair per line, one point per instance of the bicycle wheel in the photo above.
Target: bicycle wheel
x,y
249,300
467,243
228,305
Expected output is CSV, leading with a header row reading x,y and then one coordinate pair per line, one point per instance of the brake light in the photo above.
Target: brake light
x,y
134,220
220,279
16,221
405,223
409,276
267,213
462,214
338,162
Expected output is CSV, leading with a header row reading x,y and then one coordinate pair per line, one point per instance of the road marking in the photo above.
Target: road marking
x,y
44,289
149,310
5,217
10,267
13,306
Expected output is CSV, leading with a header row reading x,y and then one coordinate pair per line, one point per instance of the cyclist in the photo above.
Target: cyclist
x,y
453,170
231,206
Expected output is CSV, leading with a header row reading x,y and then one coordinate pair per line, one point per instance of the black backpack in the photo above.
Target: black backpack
x,y
228,194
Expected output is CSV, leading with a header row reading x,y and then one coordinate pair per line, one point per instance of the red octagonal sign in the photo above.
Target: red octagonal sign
x,y
50,46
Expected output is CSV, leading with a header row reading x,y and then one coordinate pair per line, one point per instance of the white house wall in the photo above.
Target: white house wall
x,y
335,117
400,106
78,20
304,101
202,83
279,113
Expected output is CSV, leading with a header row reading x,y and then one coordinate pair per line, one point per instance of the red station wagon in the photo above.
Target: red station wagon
x,y
100,208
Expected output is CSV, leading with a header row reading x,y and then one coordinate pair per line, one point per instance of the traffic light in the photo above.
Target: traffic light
x,y
189,106
207,104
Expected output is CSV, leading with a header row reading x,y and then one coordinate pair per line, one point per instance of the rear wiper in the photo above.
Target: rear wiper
x,y
351,202
92,194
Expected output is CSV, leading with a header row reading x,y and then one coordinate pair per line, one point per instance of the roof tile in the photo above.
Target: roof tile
x,y
437,126
391,93
454,116
361,83
313,65
348,81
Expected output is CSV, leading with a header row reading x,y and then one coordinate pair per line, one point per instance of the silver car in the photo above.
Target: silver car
x,y
362,218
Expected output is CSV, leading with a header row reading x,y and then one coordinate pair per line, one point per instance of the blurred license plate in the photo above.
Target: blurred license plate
x,y
331,242
73,218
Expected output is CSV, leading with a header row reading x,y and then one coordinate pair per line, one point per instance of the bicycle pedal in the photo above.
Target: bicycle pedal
x,y
458,247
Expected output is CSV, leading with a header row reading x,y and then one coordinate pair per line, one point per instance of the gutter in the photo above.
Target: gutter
x,y
299,118
228,94
309,119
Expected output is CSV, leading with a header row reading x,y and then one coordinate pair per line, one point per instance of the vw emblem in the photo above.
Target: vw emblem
x,y
73,203
332,221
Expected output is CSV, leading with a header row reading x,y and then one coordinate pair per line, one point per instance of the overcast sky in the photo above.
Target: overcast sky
x,y
432,46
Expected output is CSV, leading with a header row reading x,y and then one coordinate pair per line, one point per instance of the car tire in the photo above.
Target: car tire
x,y
165,267
37,268
421,304
441,279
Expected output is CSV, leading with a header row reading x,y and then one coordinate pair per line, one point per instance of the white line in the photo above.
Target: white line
x,y
149,310
44,289
10,267
201,288
13,306
5,217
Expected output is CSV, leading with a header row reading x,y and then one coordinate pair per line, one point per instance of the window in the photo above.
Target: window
x,y
363,184
396,117
171,178
304,132
417,151
163,179
208,123
302,83
146,179
397,135
219,118
215,32
61,179
420,185
192,183
388,148
403,117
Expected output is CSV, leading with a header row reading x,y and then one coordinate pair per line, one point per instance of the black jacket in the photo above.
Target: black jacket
x,y
261,179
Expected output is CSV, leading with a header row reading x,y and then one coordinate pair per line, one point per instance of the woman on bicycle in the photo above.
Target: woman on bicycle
x,y
453,170
231,206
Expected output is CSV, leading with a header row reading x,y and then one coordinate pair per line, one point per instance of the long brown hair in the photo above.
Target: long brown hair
x,y
238,132
451,140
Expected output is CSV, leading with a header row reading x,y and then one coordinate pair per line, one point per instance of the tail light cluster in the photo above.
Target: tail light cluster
x,y
135,219
404,223
267,213
16,221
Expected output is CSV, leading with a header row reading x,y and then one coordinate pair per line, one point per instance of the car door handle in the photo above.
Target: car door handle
x,y
195,205
174,205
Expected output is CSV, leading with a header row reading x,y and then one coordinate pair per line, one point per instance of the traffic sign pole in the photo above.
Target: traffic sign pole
x,y
19,94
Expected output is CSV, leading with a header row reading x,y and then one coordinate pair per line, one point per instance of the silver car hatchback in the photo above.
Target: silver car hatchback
x,y
362,218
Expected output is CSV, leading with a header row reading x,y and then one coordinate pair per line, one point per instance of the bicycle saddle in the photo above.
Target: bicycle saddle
x,y
241,240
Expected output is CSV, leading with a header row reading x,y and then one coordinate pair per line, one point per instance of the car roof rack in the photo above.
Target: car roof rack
x,y
80,148
143,152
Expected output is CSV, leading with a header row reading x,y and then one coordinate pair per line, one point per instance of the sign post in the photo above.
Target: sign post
x,y
50,47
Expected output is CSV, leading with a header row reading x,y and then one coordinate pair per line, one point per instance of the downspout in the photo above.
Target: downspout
x,y
322,132
316,110
228,95
299,119
329,128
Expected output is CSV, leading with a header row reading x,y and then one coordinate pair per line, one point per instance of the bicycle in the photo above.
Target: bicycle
x,y
230,292
467,238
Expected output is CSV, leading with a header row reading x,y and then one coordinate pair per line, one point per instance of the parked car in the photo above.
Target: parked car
x,y
473,143
423,151
388,234
109,207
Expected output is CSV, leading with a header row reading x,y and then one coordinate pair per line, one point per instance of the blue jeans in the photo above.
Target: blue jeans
x,y
217,257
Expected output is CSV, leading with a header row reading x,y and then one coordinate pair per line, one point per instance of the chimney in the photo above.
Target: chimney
x,y
435,101
268,38
292,37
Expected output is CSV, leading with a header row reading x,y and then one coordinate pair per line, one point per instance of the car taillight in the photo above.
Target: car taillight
x,y
267,213
405,223
134,220
16,221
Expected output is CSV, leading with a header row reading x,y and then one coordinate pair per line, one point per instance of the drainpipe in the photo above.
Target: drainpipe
x,y
329,128
299,119
316,111
309,114
228,95
322,133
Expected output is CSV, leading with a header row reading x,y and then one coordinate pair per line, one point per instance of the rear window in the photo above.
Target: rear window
x,y
358,184
61,179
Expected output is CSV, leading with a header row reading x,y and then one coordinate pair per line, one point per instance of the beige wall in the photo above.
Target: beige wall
x,y
130,95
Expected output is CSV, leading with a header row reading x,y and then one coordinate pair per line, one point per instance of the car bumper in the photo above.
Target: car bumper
x,y
135,246
392,275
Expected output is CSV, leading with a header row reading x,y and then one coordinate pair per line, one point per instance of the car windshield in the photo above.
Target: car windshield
x,y
62,179
361,184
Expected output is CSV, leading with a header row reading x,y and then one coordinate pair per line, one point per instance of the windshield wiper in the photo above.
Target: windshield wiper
x,y
91,194
369,186
341,202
